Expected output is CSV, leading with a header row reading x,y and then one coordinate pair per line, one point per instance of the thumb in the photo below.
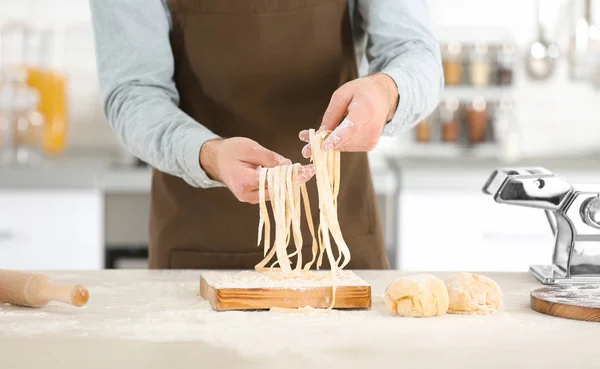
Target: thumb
x,y
337,109
305,173
357,116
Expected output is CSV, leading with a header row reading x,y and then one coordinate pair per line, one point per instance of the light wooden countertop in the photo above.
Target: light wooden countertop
x,y
151,319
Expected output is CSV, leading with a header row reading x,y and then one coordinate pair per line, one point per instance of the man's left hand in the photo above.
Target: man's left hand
x,y
357,113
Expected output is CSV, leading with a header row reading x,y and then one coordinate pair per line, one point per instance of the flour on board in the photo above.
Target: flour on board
x,y
251,279
578,295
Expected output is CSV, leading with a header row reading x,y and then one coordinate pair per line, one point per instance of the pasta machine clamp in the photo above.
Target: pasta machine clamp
x,y
573,212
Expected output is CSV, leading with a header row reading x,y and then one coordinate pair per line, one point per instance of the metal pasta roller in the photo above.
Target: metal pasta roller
x,y
573,212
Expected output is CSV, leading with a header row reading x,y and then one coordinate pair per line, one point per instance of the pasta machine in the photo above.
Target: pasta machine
x,y
573,212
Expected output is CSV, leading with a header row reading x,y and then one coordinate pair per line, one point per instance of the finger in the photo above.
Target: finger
x,y
337,138
306,151
304,135
359,114
260,156
338,107
246,181
249,197
305,173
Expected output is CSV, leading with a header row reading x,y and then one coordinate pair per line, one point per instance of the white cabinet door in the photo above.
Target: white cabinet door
x,y
51,230
458,230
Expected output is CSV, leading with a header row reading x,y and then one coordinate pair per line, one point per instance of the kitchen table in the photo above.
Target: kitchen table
x,y
156,319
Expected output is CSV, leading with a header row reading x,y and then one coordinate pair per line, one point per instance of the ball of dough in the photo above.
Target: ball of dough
x,y
473,294
419,295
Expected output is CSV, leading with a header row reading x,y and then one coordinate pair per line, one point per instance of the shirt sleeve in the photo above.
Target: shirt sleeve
x,y
401,44
135,69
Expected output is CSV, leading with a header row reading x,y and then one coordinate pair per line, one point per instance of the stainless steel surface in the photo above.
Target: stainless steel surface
x,y
590,212
541,58
548,274
573,212
533,187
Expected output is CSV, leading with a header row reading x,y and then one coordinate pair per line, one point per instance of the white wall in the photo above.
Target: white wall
x,y
555,116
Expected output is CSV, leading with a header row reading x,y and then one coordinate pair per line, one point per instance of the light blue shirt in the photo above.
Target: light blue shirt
x,y
135,67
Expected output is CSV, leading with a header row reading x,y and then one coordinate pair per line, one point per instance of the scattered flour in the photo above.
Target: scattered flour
x,y
165,306
250,279
581,295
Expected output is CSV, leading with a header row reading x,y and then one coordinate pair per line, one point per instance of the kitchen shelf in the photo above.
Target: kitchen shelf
x,y
463,93
451,150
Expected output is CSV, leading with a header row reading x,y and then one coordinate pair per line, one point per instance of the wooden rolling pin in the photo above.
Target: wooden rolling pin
x,y
36,290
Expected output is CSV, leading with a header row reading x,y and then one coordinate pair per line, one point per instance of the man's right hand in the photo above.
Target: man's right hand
x,y
235,162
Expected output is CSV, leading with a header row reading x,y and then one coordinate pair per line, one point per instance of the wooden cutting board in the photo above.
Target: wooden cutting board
x,y
579,302
250,290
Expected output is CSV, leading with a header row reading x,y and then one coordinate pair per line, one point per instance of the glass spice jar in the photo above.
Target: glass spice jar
x,y
477,120
27,126
480,65
423,131
450,120
504,72
6,128
453,64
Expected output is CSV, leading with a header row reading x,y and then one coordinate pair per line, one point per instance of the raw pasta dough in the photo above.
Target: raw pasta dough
x,y
473,294
419,295
286,198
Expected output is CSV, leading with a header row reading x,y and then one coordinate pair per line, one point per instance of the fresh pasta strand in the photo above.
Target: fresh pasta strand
x,y
326,193
263,212
327,167
287,197
270,176
282,231
289,206
336,181
296,215
321,246
311,227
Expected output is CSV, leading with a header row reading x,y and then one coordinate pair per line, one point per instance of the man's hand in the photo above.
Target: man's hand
x,y
367,104
235,162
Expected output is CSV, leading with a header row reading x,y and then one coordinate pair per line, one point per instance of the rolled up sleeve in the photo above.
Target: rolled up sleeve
x,y
401,44
135,68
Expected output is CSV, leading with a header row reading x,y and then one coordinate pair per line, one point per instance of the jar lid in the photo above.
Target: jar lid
x,y
508,48
481,48
451,104
454,48
506,104
26,98
6,97
14,74
479,104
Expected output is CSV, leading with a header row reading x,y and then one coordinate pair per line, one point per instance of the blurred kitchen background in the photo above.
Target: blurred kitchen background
x,y
71,198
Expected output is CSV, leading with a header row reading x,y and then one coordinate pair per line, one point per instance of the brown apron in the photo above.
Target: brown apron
x,y
262,69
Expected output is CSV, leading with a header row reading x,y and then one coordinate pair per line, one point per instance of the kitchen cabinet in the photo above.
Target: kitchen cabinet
x,y
465,230
51,229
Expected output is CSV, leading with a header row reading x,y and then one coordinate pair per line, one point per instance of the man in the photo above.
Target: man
x,y
207,91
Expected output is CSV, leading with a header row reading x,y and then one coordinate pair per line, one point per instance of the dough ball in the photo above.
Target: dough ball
x,y
419,295
473,294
